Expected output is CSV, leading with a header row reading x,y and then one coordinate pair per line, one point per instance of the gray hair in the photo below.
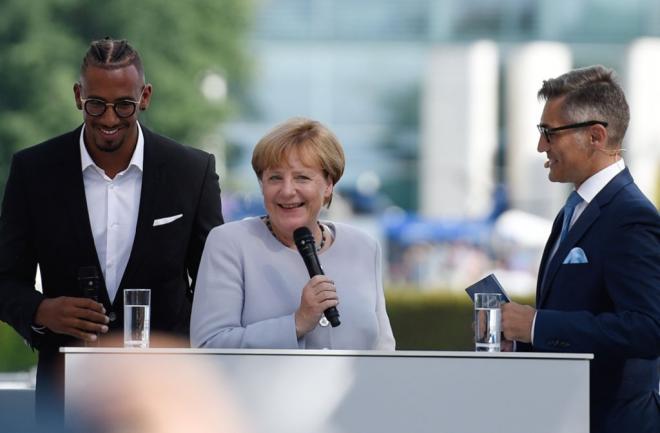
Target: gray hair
x,y
591,93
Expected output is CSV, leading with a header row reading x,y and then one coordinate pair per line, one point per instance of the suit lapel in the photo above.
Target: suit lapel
x,y
151,187
75,203
580,227
542,277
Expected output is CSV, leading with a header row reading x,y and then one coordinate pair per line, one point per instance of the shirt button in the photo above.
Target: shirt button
x,y
112,316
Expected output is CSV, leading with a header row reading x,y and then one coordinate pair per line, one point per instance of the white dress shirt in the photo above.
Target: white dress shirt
x,y
113,206
588,190
592,186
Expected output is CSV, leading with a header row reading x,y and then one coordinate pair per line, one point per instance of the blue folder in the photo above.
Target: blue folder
x,y
488,284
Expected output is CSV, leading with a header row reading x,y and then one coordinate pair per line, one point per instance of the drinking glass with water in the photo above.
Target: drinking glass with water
x,y
487,322
137,313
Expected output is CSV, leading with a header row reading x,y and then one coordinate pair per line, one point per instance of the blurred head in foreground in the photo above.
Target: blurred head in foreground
x,y
154,394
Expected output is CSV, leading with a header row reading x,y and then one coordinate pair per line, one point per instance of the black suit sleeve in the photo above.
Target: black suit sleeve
x,y
207,216
18,298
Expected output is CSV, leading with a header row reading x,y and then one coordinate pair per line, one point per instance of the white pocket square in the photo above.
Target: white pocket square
x,y
576,256
166,220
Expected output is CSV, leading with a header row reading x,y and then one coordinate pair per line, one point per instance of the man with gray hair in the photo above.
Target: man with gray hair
x,y
598,287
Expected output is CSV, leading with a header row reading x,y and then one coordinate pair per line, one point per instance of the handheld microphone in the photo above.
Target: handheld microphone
x,y
89,282
305,243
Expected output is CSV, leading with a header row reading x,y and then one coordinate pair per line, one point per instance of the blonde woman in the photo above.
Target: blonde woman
x,y
253,290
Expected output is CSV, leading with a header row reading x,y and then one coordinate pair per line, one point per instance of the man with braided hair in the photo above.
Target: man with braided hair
x,y
111,201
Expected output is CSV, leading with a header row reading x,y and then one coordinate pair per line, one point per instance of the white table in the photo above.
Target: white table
x,y
370,391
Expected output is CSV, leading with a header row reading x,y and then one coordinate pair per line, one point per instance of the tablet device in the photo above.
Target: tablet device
x,y
488,284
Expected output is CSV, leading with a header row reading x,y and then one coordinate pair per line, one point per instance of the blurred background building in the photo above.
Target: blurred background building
x,y
435,103
433,100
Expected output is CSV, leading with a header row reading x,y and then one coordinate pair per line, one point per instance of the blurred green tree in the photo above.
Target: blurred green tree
x,y
42,44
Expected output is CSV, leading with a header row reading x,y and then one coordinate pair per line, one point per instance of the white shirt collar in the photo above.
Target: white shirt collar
x,y
597,182
137,159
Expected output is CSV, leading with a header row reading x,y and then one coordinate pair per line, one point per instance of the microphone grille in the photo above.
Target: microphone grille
x,y
302,236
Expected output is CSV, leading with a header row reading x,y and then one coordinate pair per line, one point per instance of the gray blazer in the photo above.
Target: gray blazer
x,y
249,287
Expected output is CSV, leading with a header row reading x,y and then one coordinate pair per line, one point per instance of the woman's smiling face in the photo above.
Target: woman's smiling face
x,y
294,193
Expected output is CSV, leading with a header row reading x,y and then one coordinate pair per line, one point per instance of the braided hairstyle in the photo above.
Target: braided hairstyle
x,y
111,53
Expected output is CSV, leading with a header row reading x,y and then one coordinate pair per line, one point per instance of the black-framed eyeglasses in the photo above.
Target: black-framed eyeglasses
x,y
96,107
548,132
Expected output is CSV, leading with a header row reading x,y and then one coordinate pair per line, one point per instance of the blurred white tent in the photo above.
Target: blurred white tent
x,y
521,228
519,237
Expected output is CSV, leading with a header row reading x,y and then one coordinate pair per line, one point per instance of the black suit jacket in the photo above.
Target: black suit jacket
x,y
45,221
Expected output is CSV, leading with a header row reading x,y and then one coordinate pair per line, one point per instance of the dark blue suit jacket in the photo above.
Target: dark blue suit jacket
x,y
609,306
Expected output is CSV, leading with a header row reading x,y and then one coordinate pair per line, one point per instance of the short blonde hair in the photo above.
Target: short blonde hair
x,y
311,140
